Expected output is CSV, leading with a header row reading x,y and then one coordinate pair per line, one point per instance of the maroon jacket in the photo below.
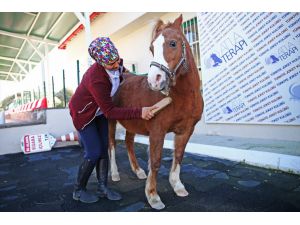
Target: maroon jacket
x,y
93,92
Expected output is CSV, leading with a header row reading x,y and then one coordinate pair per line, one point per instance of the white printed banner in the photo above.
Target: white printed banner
x,y
250,66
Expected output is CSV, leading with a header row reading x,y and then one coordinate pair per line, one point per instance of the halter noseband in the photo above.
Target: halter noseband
x,y
172,74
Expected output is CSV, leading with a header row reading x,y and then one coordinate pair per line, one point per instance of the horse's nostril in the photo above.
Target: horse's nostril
x,y
158,77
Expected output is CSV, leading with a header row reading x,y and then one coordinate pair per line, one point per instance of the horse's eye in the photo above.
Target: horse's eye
x,y
172,44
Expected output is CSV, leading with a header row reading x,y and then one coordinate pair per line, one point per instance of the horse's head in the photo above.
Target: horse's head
x,y
169,55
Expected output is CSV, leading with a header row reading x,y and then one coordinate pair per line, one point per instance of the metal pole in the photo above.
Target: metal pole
x,y
43,78
44,83
78,73
85,20
53,94
47,73
22,97
64,87
88,34
32,94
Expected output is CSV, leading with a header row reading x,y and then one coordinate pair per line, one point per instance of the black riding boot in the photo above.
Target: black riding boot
x,y
80,193
102,174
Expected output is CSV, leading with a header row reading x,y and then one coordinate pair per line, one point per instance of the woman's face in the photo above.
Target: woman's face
x,y
113,66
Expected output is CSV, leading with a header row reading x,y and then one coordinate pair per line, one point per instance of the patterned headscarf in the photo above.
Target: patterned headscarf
x,y
103,51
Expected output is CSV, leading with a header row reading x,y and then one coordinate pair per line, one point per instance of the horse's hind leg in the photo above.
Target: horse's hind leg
x,y
112,150
129,139
174,177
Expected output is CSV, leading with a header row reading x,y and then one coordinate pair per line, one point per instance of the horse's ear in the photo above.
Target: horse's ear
x,y
178,21
158,28
151,49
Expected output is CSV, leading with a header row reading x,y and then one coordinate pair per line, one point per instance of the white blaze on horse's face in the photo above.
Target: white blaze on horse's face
x,y
156,76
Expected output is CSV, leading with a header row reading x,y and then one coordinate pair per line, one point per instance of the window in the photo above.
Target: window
x,y
26,97
190,30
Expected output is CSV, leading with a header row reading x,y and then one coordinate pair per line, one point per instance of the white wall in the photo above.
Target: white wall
x,y
59,122
131,33
170,17
134,47
104,25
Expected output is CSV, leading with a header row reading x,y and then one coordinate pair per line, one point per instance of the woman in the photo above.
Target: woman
x,y
90,107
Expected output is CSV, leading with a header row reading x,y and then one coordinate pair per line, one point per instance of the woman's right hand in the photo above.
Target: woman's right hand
x,y
147,113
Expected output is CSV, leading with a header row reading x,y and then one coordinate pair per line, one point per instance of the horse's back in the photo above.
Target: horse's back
x,y
134,92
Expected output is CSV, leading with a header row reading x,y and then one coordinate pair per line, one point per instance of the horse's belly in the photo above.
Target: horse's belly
x,y
135,126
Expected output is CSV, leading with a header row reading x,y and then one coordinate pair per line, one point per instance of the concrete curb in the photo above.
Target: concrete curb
x,y
287,163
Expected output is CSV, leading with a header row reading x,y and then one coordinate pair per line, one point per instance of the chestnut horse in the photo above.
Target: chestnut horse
x,y
173,72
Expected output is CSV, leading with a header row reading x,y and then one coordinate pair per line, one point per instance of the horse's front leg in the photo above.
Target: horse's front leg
x,y
129,140
156,145
174,177
112,150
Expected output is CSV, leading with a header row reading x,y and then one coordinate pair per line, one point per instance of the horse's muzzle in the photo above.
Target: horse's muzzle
x,y
157,87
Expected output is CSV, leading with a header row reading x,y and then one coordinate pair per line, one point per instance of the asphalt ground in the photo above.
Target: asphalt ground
x,y
43,182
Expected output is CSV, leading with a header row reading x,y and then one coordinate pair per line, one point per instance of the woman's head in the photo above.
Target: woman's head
x,y
104,52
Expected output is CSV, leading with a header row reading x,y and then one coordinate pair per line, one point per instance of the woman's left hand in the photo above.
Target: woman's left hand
x,y
147,113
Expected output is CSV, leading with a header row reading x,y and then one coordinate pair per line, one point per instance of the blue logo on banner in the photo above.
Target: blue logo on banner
x,y
212,61
294,90
284,52
271,59
216,60
227,110
233,51
230,48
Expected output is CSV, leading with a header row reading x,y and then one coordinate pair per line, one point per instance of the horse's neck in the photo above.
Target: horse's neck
x,y
189,80
192,73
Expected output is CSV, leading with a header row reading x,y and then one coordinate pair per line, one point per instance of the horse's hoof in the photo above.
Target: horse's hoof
x,y
115,177
141,174
181,192
156,203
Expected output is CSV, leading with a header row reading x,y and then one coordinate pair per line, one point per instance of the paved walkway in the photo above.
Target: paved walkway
x,y
44,182
265,145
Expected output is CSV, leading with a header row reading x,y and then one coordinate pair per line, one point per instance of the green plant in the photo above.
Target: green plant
x,y
60,96
6,102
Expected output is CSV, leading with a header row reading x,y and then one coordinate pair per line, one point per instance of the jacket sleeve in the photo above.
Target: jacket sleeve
x,y
100,91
